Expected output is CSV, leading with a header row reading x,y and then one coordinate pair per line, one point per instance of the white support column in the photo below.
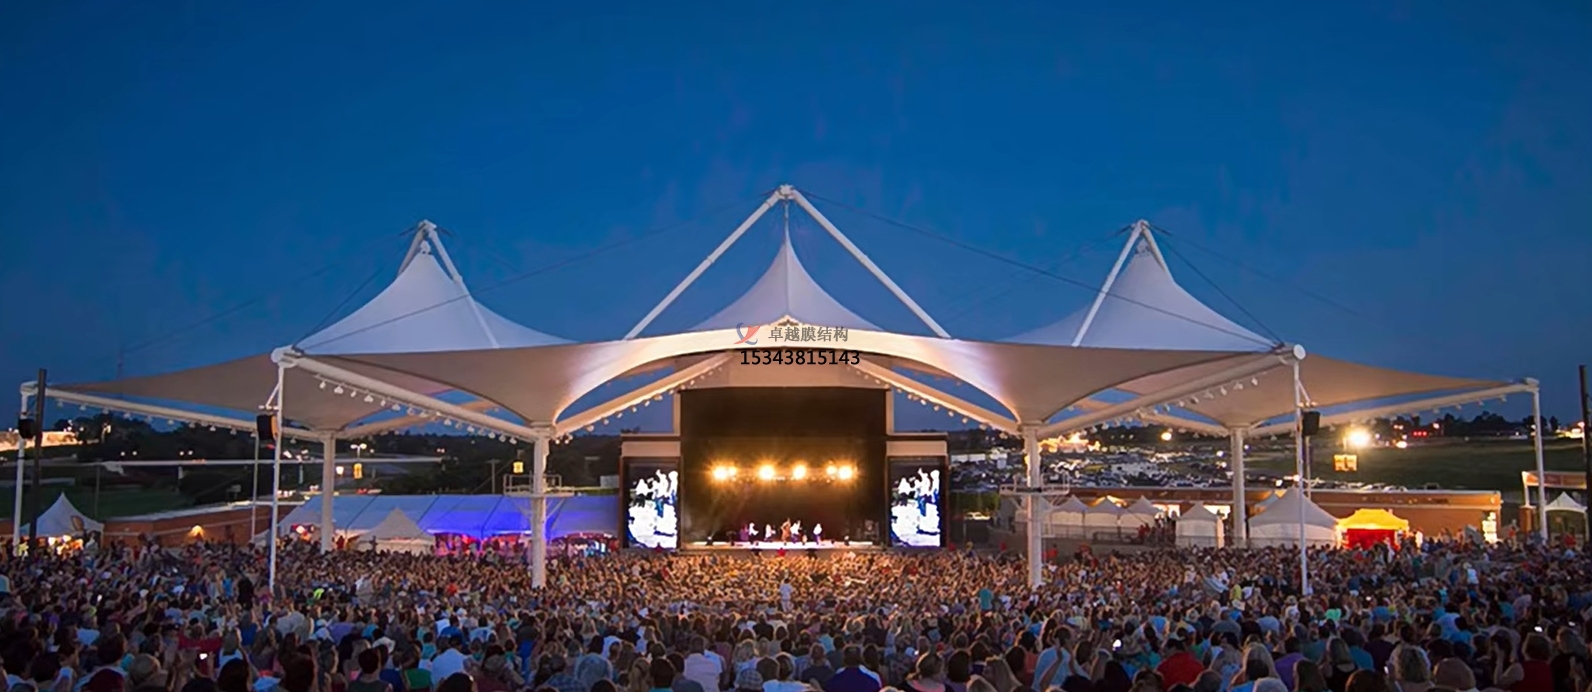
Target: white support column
x,y
276,471
22,462
328,490
1240,513
1542,473
1299,485
539,510
1037,506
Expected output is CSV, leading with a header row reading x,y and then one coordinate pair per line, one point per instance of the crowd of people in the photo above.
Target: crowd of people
x,y
201,618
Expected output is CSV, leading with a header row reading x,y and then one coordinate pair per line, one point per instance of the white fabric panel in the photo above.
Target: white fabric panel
x,y
397,526
1278,523
1140,513
422,310
57,520
1563,502
1330,382
1105,514
786,290
1032,382
1067,518
1199,527
1146,308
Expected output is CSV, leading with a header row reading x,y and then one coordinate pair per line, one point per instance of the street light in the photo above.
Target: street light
x,y
1166,436
1357,438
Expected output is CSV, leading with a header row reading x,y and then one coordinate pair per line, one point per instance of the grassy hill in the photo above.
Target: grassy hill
x,y
1474,465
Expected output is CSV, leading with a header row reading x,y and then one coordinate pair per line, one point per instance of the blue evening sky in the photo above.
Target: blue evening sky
x,y
1423,164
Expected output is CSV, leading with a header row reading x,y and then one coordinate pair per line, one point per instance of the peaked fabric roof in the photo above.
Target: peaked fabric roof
x,y
1198,513
396,525
426,308
58,520
1562,502
423,309
1142,506
1143,307
786,290
1285,511
1374,519
1071,504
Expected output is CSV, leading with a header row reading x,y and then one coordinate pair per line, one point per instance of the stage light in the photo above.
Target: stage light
x,y
799,472
830,470
847,473
765,472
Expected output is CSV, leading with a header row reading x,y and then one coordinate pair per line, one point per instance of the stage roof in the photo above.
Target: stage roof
x,y
785,290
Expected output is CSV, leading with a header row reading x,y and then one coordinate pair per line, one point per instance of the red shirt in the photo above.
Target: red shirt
x,y
1180,669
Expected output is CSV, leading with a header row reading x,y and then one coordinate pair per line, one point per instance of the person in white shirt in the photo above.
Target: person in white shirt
x,y
448,661
701,668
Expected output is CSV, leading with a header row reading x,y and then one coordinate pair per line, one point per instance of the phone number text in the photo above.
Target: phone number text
x,y
798,356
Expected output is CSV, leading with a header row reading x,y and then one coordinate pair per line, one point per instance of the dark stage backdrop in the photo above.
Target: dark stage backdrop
x,y
747,427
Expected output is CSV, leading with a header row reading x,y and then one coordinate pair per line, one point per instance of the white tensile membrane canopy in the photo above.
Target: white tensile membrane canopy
x,y
427,307
1280,523
1141,306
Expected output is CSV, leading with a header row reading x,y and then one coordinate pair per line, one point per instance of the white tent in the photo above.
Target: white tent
x,y
1199,527
1067,518
1105,514
1565,503
64,519
1141,513
786,290
398,533
1279,524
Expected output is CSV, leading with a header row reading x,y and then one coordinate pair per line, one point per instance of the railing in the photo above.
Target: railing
x,y
523,484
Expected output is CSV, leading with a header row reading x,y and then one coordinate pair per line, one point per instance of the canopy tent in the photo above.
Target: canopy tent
x,y
1141,306
427,307
1141,513
1280,523
1199,527
1368,527
477,516
1267,501
1105,514
398,532
1565,503
1067,518
63,519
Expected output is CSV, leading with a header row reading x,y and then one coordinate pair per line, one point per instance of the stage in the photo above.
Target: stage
x,y
775,546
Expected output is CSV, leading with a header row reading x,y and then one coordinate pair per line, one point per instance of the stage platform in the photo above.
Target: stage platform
x,y
775,546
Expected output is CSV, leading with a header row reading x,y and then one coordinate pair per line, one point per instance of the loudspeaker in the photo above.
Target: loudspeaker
x,y
265,427
1310,423
26,428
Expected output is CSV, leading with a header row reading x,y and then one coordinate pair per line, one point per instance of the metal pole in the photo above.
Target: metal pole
x,y
1240,507
1542,477
1586,452
38,458
254,489
276,472
97,469
328,491
1299,464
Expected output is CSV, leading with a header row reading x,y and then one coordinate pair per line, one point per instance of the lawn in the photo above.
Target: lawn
x,y
1488,465
112,503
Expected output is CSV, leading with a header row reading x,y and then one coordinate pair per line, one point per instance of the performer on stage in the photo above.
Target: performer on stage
x,y
784,532
768,532
818,533
796,532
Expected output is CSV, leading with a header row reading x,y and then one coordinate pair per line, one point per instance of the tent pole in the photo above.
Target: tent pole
x,y
1240,509
276,473
1036,506
1542,477
706,262
22,456
1299,465
254,491
328,490
1140,227
539,509
795,195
